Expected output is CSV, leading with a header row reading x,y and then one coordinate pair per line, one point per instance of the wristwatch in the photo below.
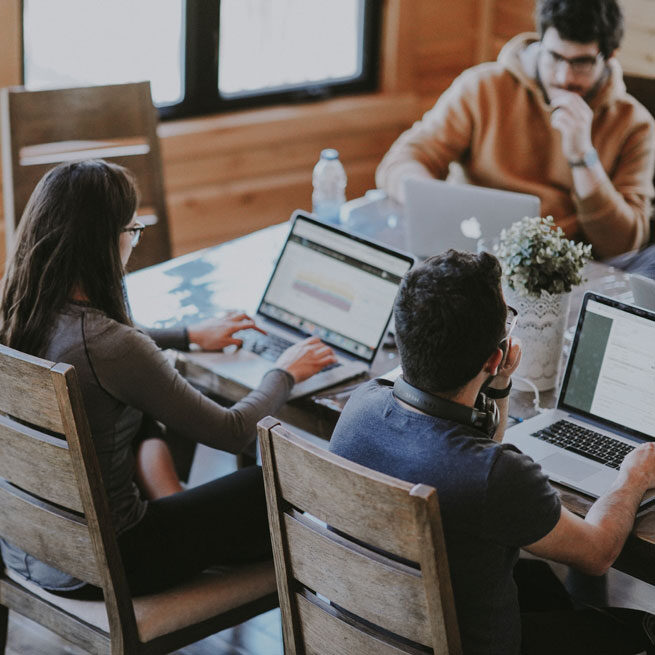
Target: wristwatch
x,y
497,394
589,159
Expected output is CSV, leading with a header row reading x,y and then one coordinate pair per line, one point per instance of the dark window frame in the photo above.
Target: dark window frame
x,y
201,67
200,71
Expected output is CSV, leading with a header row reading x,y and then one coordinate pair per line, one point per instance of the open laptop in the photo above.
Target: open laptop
x,y
329,283
605,406
441,215
643,291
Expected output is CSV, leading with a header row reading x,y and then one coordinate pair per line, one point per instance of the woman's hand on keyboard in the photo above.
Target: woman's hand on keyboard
x,y
305,358
216,333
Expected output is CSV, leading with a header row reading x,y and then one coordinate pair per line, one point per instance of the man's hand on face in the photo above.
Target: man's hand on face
x,y
572,117
508,365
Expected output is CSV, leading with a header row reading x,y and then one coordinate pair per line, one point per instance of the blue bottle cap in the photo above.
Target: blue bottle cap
x,y
329,153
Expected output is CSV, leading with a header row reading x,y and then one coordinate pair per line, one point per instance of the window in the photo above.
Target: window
x,y
203,56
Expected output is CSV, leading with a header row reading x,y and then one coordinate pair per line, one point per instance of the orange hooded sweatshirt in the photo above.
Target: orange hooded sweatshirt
x,y
495,121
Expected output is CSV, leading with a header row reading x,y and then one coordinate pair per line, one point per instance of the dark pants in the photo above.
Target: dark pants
x,y
551,624
221,522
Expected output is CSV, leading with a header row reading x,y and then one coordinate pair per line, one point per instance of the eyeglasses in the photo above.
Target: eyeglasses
x,y
579,65
135,230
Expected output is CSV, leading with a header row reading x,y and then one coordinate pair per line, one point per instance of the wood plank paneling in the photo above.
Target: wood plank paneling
x,y
233,173
10,63
637,54
436,19
212,214
397,53
10,73
510,17
223,167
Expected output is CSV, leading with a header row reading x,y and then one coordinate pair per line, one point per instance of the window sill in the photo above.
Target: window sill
x,y
258,126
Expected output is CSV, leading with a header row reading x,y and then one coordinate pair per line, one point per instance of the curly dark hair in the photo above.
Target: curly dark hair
x,y
583,21
450,317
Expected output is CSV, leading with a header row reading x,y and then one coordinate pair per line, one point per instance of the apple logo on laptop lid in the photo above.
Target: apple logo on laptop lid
x,y
470,228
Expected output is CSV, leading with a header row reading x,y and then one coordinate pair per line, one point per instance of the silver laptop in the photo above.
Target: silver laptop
x,y
606,405
643,291
440,215
329,283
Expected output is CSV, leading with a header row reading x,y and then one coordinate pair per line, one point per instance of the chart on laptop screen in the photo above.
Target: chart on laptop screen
x,y
342,286
612,375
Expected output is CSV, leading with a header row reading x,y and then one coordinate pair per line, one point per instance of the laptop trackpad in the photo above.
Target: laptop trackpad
x,y
571,468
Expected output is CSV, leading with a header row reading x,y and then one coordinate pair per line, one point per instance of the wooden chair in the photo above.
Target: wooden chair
x,y
118,123
53,506
643,89
351,588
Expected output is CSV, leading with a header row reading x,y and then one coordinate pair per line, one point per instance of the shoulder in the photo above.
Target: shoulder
x,y
520,501
113,340
510,467
364,404
635,115
483,77
362,415
486,85
619,103
373,389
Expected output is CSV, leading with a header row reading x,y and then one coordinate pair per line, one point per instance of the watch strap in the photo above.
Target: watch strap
x,y
497,394
589,159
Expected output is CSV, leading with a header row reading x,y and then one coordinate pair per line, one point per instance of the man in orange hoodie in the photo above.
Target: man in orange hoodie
x,y
550,117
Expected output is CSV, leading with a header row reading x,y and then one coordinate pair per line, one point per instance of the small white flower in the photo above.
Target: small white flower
x,y
536,256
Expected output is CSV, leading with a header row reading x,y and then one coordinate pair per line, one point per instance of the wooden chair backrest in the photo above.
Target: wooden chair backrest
x,y
118,123
52,500
643,89
362,563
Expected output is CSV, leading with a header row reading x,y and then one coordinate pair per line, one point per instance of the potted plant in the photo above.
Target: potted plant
x,y
540,267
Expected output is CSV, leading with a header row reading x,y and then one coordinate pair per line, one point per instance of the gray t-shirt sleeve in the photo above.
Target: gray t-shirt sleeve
x,y
131,368
524,505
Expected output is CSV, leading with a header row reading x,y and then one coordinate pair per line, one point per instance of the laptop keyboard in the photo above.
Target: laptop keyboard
x,y
270,346
592,445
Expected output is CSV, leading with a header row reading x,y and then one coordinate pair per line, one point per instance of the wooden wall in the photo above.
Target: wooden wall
x,y
229,174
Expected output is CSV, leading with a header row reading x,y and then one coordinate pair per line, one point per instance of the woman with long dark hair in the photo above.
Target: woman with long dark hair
x,y
63,299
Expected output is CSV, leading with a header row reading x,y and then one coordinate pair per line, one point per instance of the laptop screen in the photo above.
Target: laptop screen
x,y
610,375
335,285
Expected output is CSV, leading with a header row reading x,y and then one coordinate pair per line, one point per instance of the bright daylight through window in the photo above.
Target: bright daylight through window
x,y
205,55
275,44
81,42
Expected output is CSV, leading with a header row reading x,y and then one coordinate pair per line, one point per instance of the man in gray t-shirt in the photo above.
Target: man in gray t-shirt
x,y
433,427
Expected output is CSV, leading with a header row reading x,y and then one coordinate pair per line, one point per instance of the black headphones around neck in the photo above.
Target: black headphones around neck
x,y
484,416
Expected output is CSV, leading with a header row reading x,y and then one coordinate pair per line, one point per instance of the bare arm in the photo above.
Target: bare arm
x,y
593,543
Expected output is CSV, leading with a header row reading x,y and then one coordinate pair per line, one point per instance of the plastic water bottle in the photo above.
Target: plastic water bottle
x,y
329,180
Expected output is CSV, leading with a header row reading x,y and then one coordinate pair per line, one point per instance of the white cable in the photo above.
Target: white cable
x,y
531,384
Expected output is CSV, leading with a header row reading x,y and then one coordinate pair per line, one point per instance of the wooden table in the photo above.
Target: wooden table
x,y
234,275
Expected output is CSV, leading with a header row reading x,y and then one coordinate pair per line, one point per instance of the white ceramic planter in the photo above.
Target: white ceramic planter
x,y
540,327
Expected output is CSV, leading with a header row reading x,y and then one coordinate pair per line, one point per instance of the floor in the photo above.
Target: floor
x,y
263,635
259,636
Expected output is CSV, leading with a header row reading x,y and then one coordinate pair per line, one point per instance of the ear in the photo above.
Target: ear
x,y
492,364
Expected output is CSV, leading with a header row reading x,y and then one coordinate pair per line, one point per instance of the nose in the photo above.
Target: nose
x,y
563,74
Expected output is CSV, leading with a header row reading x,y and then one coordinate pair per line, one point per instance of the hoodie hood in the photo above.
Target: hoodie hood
x,y
519,58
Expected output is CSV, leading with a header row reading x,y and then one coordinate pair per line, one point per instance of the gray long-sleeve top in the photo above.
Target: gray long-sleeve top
x,y
123,375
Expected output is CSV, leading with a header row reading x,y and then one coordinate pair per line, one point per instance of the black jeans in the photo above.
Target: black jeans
x,y
551,624
221,522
